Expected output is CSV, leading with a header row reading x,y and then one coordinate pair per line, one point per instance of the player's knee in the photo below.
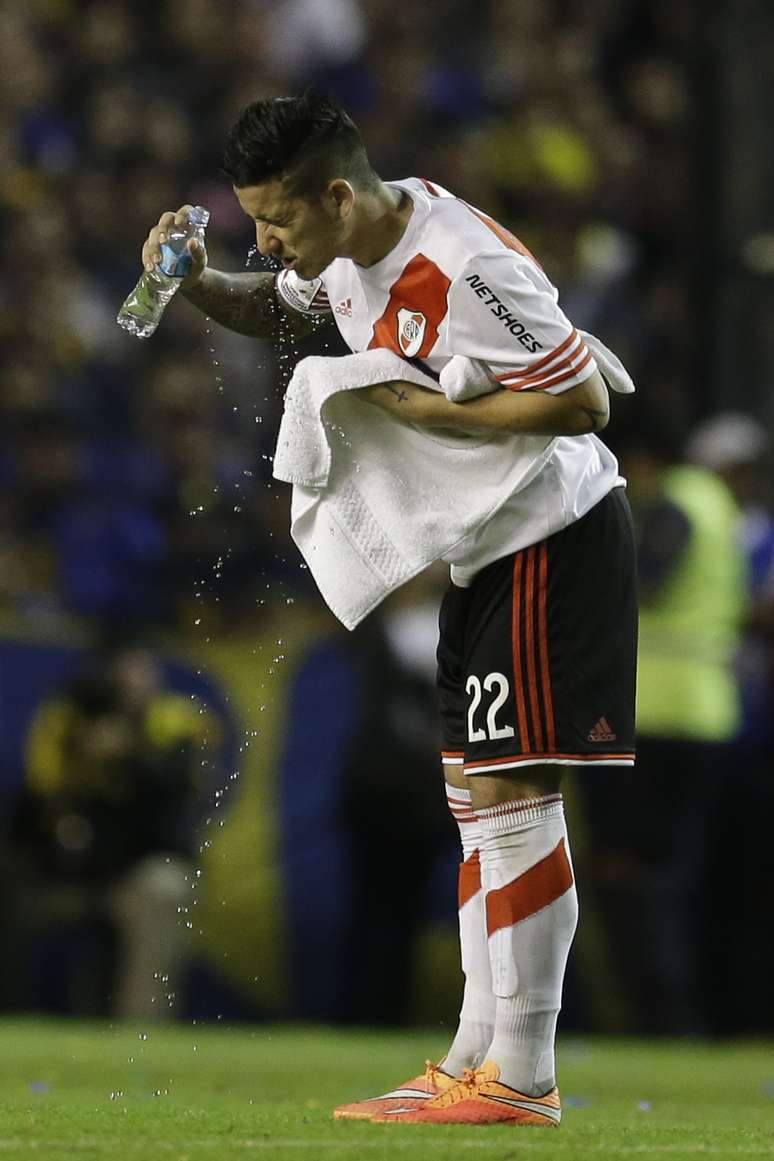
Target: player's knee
x,y
533,782
454,775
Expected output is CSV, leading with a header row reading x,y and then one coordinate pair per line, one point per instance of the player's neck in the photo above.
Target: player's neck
x,y
381,223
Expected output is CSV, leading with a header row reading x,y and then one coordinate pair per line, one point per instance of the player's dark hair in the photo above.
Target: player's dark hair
x,y
307,139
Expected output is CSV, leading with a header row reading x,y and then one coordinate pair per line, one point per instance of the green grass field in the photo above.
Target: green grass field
x,y
187,1093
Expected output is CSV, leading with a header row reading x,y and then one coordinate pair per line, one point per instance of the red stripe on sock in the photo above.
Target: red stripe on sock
x,y
531,892
469,883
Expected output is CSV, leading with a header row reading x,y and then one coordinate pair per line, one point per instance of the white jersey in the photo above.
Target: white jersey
x,y
457,283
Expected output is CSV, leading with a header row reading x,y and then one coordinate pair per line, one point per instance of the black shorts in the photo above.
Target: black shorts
x,y
537,659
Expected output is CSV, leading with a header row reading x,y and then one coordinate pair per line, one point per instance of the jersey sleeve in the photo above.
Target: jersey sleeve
x,y
307,298
504,311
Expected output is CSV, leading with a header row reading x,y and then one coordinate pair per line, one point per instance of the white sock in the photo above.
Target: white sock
x,y
532,912
474,1033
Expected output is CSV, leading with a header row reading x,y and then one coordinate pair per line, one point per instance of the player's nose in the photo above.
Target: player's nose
x,y
267,243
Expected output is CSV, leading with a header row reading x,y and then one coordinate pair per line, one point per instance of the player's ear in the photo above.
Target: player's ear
x,y
340,198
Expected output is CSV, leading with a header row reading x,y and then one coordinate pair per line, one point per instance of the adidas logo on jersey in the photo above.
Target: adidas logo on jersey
x,y
602,732
344,307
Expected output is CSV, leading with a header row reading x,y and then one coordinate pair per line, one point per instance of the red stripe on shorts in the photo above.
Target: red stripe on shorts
x,y
545,670
531,625
518,673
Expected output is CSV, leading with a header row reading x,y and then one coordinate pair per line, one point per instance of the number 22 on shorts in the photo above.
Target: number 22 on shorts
x,y
498,684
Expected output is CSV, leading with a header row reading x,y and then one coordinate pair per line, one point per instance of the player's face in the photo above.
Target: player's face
x,y
305,235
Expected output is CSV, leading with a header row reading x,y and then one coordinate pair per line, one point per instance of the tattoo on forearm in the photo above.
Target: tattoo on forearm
x,y
594,415
398,392
246,303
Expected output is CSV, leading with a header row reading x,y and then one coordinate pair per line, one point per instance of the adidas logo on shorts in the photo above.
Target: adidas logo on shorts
x,y
602,732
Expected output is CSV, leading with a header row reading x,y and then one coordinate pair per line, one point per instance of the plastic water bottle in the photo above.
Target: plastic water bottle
x,y
143,308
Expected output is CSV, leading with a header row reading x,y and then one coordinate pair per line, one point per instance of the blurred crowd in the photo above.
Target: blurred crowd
x,y
135,478
102,840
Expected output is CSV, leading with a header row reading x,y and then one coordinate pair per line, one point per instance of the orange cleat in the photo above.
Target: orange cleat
x,y
480,1099
412,1095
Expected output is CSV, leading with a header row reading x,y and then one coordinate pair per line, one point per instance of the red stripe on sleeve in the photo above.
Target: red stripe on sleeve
x,y
549,358
541,384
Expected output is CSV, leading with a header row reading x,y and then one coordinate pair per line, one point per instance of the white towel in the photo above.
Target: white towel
x,y
308,432
376,500
463,379
610,366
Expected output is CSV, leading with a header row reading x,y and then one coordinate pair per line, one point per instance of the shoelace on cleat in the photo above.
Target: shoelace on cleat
x,y
460,1091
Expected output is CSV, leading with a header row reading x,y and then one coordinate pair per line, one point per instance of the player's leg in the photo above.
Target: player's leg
x,y
477,1013
531,915
529,904
548,673
502,840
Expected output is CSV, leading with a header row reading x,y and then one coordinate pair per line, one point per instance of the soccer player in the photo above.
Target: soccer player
x,y
536,658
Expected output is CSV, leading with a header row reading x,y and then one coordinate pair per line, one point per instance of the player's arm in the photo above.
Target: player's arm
x,y
581,409
503,313
247,303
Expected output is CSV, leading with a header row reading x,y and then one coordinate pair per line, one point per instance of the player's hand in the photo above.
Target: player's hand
x,y
151,251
